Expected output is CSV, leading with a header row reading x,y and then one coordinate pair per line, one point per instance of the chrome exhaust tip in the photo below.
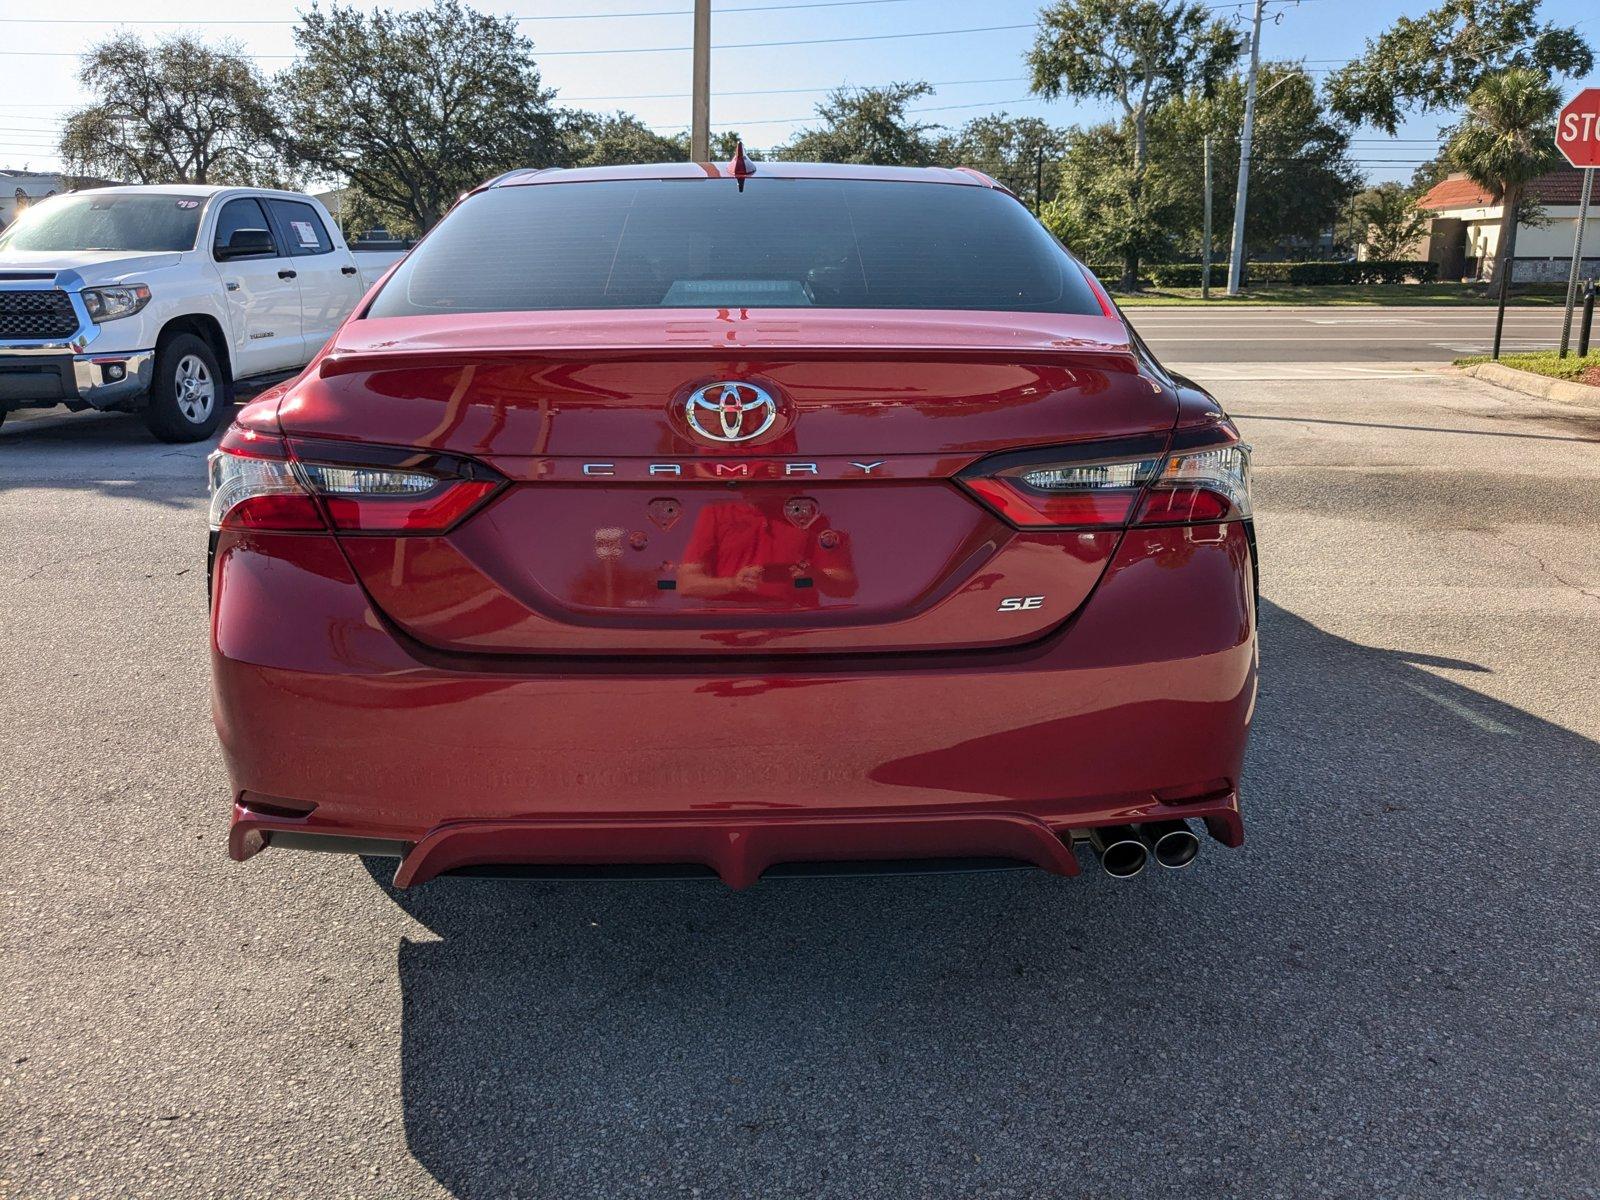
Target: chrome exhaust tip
x,y
1172,843
1121,852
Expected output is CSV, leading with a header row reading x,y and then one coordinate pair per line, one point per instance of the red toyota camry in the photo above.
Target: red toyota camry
x,y
738,519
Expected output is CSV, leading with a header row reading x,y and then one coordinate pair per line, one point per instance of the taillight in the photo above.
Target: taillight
x,y
1209,483
264,482
1202,477
254,486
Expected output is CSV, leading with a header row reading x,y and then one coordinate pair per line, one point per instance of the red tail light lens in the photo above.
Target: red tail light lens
x,y
1202,477
260,482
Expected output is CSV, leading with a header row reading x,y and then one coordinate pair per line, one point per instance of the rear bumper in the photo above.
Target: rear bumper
x,y
333,724
738,851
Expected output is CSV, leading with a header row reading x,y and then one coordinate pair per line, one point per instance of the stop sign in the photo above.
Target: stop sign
x,y
1578,129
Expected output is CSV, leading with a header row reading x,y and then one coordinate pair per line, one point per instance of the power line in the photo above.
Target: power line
x,y
871,37
732,123
790,91
535,16
605,16
782,91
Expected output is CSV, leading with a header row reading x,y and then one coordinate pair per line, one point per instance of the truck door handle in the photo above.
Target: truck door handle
x,y
347,270
287,274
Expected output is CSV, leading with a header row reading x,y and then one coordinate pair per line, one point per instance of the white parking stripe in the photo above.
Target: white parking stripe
x,y
1487,724
1224,372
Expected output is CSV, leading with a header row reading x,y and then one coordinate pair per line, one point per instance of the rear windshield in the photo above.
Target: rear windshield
x,y
107,221
780,243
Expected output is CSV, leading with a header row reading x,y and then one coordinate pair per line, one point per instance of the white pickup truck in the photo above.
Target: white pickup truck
x,y
162,299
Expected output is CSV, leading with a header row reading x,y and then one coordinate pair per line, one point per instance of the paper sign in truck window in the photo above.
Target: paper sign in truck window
x,y
304,231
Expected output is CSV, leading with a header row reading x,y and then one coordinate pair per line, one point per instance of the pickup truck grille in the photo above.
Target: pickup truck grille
x,y
34,314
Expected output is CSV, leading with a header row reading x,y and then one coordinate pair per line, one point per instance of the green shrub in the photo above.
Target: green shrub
x,y
1330,274
1303,274
1398,270
1186,275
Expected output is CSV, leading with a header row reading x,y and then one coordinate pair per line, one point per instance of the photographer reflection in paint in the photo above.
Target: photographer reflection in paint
x,y
777,552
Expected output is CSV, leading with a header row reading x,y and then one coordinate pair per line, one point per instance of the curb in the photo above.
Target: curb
x,y
1530,384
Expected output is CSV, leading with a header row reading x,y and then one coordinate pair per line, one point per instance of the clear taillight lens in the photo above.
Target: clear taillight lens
x,y
1137,483
261,482
1200,485
367,481
1045,495
254,486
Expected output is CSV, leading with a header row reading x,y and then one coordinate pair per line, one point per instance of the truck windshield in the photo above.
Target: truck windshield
x,y
107,221
780,243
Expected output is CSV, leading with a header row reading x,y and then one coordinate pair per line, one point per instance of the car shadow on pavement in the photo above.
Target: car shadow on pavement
x,y
112,455
1390,990
47,429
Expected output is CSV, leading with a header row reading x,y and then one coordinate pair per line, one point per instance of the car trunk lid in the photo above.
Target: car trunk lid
x,y
627,528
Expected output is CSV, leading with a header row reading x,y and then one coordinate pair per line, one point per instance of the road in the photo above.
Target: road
x,y
1374,336
1391,991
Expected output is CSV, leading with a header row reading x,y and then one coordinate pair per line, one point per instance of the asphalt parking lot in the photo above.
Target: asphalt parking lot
x,y
1391,991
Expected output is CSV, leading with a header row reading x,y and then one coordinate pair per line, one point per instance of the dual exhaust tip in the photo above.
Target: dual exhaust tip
x,y
1123,850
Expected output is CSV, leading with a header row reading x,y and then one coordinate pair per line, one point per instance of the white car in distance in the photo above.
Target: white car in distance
x,y
162,299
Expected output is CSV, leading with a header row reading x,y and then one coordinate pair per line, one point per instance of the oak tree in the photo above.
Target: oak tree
x,y
414,108
177,111
1140,54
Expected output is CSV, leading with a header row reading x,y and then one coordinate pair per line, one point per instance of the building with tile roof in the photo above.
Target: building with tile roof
x,y
1464,233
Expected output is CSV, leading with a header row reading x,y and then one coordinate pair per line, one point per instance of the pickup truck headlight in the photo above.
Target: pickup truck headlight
x,y
109,303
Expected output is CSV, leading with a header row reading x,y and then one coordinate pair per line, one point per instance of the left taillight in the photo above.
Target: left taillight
x,y
254,485
1200,477
263,482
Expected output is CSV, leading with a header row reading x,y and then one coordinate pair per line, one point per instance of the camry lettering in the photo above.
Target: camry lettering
x,y
723,470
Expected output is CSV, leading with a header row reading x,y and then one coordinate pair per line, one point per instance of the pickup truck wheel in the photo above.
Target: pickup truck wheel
x,y
186,396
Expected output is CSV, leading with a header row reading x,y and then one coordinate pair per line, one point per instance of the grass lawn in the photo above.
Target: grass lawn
x,y
1545,362
1388,294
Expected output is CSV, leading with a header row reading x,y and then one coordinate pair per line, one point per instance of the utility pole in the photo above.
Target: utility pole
x,y
1236,260
700,119
1512,200
1205,253
1038,182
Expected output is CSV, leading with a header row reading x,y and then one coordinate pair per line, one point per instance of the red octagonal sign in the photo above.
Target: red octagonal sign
x,y
1578,129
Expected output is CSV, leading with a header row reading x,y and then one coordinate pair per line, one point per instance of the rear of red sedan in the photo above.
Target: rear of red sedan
x,y
685,518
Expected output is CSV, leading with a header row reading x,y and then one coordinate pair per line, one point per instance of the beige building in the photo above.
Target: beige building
x,y
18,189
1464,234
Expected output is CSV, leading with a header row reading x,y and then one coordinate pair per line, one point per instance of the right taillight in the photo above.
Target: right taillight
x,y
1203,476
263,482
1206,483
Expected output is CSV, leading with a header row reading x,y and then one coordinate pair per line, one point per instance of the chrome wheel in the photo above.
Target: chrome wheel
x,y
195,390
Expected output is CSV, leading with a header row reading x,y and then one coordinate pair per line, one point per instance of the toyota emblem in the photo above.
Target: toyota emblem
x,y
730,412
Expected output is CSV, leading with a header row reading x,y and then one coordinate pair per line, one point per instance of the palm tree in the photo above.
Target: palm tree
x,y
1506,139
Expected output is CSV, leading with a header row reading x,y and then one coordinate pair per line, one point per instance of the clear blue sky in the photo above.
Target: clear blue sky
x,y
766,92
